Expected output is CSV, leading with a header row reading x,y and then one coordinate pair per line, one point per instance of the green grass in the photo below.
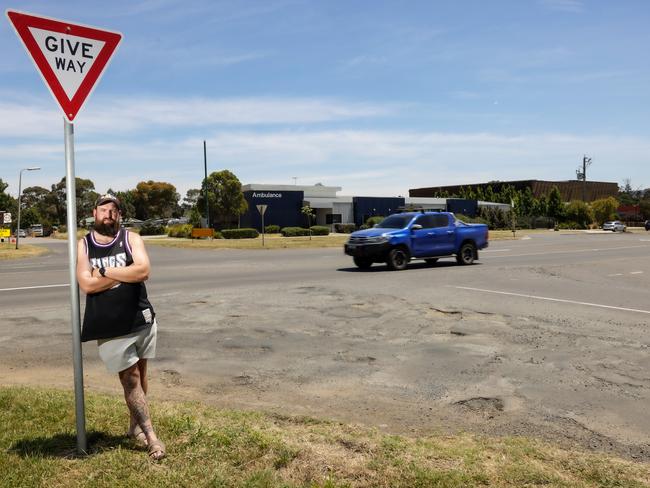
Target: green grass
x,y
224,448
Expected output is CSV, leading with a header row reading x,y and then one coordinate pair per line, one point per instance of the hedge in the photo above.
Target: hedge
x,y
345,228
152,230
319,230
272,229
181,230
239,233
294,231
372,221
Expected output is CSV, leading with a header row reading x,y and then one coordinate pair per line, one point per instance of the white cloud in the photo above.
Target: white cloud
x,y
32,117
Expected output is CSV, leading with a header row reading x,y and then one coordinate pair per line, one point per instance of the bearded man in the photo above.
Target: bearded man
x,y
112,266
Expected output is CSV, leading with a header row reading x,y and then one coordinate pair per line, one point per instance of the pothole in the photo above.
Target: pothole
x,y
482,405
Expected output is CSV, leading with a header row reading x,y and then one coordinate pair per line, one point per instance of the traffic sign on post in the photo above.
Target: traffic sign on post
x,y
70,57
6,218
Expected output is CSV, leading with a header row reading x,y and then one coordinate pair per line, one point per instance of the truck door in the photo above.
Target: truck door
x,y
445,234
423,241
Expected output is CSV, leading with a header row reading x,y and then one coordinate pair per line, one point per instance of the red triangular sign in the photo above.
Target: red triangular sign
x,y
70,57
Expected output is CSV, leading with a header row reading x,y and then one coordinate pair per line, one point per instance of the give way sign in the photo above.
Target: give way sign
x,y
70,57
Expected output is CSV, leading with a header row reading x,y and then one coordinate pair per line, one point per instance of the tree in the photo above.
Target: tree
x,y
604,209
225,198
155,200
644,207
34,196
308,212
555,206
191,198
526,203
579,212
127,202
85,199
7,202
627,195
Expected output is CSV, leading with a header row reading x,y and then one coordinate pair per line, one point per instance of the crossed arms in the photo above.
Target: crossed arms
x,y
90,281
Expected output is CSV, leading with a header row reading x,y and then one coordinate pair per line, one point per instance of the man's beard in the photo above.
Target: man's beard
x,y
105,228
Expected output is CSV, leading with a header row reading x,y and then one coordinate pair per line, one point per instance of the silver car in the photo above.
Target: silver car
x,y
614,226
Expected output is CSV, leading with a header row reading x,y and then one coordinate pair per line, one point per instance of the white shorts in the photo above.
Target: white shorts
x,y
120,353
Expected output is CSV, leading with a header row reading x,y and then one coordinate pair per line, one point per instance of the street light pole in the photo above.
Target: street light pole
x,y
207,203
20,190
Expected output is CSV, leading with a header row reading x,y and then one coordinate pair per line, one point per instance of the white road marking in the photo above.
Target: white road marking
x,y
615,274
568,251
636,272
598,305
34,287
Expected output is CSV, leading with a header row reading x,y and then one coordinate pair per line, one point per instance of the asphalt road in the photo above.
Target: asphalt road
x,y
545,336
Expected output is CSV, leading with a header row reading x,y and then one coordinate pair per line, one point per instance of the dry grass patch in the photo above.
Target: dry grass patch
x,y
9,251
272,241
224,448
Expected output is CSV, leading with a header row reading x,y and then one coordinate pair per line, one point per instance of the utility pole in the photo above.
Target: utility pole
x,y
582,175
207,204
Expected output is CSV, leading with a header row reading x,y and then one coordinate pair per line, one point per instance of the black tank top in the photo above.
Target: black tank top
x,y
120,310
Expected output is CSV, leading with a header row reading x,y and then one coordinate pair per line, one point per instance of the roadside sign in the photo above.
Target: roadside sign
x,y
6,218
261,209
71,58
5,232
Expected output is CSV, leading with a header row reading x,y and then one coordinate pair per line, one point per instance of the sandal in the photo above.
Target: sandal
x,y
157,450
137,436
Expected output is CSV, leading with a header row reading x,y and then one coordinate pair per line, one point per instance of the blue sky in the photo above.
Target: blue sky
x,y
374,96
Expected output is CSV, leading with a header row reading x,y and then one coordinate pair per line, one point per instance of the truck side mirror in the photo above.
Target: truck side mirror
x,y
415,227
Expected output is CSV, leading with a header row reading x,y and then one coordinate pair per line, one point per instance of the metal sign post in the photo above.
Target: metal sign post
x,y
261,209
71,202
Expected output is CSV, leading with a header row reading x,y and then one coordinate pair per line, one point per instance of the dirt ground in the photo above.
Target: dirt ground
x,y
400,364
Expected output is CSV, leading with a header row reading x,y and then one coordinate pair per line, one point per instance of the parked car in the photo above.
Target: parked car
x,y
614,226
417,235
647,225
21,233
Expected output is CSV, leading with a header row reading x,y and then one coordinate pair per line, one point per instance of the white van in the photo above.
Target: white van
x,y
36,230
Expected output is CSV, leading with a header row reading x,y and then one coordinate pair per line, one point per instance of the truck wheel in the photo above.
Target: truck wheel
x,y
398,259
431,260
363,263
466,254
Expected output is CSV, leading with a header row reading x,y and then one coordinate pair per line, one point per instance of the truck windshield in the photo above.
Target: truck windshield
x,y
395,222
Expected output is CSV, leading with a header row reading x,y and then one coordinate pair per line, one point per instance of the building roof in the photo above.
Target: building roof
x,y
308,190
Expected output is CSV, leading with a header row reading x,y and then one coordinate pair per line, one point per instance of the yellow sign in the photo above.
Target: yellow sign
x,y
5,232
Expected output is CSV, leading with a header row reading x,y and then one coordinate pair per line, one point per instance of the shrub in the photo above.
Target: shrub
x,y
570,225
272,229
319,230
239,233
182,230
372,221
496,218
152,230
345,228
294,231
579,212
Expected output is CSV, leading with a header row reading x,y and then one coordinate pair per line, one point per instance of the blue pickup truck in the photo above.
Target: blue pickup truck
x,y
417,235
